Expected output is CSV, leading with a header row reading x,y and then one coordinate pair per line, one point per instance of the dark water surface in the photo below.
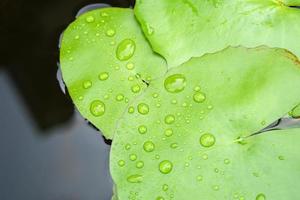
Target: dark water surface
x,y
47,151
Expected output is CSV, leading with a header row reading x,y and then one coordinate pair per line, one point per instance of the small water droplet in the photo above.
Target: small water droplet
x,y
136,89
169,119
226,161
131,110
199,97
149,146
139,164
80,98
174,145
197,88
136,178
127,146
77,37
205,156
125,50
281,157
97,108
260,197
165,187
133,157
165,167
142,129
120,97
104,14
175,83
130,66
160,198
169,132
207,140
110,32
199,178
149,29
89,19
155,95
130,78
216,187
121,163
143,108
87,84
103,76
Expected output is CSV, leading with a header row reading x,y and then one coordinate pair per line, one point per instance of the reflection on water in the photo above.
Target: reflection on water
x,y
47,151
70,163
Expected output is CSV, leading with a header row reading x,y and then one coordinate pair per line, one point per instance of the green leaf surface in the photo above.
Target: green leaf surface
x,y
106,62
181,29
189,139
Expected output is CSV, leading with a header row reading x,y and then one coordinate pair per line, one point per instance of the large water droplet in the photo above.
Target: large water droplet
x,y
199,97
175,83
97,108
149,146
169,119
207,140
136,178
143,108
125,50
103,76
165,167
261,197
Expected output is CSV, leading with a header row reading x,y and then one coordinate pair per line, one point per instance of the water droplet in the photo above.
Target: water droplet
x,y
121,163
80,98
226,161
155,95
133,157
103,76
216,187
143,108
125,50
120,97
127,146
136,178
260,197
97,108
205,156
281,157
130,66
104,14
169,119
199,97
140,164
197,88
165,167
149,29
174,145
89,19
142,129
199,178
175,83
207,140
110,32
87,84
77,37
165,187
168,132
131,110
135,88
210,107
160,198
149,146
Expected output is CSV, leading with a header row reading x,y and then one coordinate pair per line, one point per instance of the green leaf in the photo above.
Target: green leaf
x,y
296,112
105,61
181,29
195,140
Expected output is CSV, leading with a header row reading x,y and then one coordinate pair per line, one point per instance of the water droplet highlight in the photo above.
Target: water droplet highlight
x,y
125,50
175,83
